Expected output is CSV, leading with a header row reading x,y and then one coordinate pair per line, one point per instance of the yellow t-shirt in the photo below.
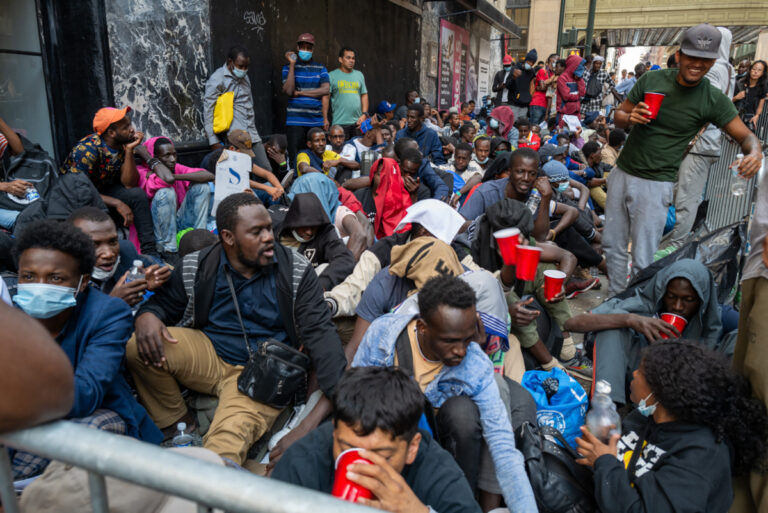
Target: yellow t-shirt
x,y
424,371
302,157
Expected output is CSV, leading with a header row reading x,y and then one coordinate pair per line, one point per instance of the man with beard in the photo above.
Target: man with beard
x,y
106,156
278,298
642,183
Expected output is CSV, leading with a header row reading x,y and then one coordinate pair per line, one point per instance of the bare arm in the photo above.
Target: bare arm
x,y
267,175
650,327
129,176
358,241
568,215
354,184
196,177
289,86
361,326
630,114
364,102
750,146
583,193
541,223
14,141
323,90
32,394
565,260
325,101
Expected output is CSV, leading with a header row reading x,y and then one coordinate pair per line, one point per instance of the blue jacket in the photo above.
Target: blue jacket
x,y
432,180
429,142
472,378
94,339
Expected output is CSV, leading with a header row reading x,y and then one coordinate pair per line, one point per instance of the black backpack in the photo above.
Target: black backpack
x,y
559,484
594,88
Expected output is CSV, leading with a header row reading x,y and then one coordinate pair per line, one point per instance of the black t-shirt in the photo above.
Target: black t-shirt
x,y
752,98
434,476
520,92
365,197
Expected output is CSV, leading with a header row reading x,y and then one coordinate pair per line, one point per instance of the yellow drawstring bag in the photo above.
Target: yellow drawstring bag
x,y
223,112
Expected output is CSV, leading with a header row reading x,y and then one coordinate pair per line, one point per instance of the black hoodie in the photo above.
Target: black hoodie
x,y
682,469
325,247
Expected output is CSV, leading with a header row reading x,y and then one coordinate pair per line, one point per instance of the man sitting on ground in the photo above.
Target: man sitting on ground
x,y
317,158
263,182
625,326
410,471
346,150
55,261
277,300
610,151
467,173
438,347
106,156
428,141
114,258
426,173
307,229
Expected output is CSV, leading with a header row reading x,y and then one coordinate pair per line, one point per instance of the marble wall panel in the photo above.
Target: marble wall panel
x,y
160,54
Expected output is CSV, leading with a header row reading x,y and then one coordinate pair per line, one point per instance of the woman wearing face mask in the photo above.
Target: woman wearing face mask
x,y
55,262
695,425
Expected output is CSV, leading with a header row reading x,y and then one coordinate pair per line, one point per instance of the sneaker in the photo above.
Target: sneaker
x,y
580,366
575,287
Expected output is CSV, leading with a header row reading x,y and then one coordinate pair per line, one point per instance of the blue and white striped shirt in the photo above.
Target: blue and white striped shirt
x,y
303,110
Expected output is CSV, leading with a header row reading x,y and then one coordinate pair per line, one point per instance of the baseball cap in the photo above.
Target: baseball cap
x,y
385,106
548,151
507,60
701,41
106,116
241,140
555,171
306,37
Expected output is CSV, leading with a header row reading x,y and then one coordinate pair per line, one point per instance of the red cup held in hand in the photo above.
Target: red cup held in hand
x,y
653,100
508,239
675,320
343,488
527,262
553,283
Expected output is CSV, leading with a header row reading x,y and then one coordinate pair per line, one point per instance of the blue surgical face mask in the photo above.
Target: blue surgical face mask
x,y
305,55
507,68
43,301
483,161
494,123
562,187
239,73
528,66
644,409
417,100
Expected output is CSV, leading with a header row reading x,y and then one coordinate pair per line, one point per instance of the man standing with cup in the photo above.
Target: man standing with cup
x,y
641,185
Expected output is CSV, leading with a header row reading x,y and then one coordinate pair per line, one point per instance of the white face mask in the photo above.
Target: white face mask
x,y
101,275
299,238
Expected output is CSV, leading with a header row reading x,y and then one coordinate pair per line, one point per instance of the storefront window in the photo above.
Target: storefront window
x,y
23,94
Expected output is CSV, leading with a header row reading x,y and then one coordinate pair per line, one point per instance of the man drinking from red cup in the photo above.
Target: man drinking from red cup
x,y
376,412
684,291
642,183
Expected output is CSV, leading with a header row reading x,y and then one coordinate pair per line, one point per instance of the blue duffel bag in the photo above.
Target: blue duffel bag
x,y
561,402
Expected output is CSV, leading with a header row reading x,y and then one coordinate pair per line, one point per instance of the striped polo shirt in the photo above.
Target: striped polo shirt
x,y
303,110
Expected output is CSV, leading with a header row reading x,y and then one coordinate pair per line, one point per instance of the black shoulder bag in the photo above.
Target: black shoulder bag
x,y
274,375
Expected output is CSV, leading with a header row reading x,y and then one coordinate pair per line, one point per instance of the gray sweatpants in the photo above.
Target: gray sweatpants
x,y
635,211
616,357
691,179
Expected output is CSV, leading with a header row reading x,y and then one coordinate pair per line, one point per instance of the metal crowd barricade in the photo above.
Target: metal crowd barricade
x,y
725,208
209,485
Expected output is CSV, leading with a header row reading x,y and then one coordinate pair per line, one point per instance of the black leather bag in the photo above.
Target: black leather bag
x,y
559,484
275,374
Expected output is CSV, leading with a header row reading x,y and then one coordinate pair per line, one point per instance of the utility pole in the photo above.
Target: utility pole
x,y
590,28
560,26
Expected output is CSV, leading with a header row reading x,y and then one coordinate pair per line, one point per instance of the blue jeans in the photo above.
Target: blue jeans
x,y
193,213
8,218
536,114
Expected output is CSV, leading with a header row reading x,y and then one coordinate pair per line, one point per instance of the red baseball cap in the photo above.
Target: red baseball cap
x,y
306,37
106,116
507,60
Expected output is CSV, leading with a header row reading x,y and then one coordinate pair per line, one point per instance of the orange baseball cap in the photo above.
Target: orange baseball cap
x,y
106,116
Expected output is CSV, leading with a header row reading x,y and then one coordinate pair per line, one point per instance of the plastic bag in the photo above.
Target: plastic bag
x,y
561,402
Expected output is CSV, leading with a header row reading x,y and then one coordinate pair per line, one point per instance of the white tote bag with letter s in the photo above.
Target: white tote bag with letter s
x,y
232,175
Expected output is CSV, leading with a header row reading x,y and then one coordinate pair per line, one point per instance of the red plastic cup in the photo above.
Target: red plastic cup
x,y
653,100
553,283
675,320
527,262
343,488
508,239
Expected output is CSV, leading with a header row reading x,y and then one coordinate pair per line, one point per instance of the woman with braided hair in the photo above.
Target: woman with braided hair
x,y
696,424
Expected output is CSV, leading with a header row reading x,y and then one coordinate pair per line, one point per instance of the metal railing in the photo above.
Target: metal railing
x,y
209,485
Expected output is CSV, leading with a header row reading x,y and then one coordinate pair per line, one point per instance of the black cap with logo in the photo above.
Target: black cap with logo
x,y
701,41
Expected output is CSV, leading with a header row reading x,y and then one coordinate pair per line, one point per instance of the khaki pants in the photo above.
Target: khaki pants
x,y
751,359
192,362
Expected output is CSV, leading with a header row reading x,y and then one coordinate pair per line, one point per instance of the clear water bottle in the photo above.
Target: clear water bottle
x,y
136,272
533,201
738,184
182,438
602,414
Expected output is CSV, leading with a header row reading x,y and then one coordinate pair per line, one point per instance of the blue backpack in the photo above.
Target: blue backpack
x,y
561,402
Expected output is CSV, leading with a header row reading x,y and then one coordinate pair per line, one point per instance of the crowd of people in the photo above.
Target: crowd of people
x,y
354,294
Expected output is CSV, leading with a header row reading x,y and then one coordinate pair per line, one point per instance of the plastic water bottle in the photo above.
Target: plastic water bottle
x,y
602,415
738,184
136,272
32,194
182,439
533,201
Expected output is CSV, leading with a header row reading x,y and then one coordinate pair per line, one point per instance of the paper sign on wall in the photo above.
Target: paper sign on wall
x,y
232,172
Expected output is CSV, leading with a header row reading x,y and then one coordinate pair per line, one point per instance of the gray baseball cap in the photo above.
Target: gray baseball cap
x,y
701,41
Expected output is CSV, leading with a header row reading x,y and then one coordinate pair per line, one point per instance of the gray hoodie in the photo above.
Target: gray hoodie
x,y
723,76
